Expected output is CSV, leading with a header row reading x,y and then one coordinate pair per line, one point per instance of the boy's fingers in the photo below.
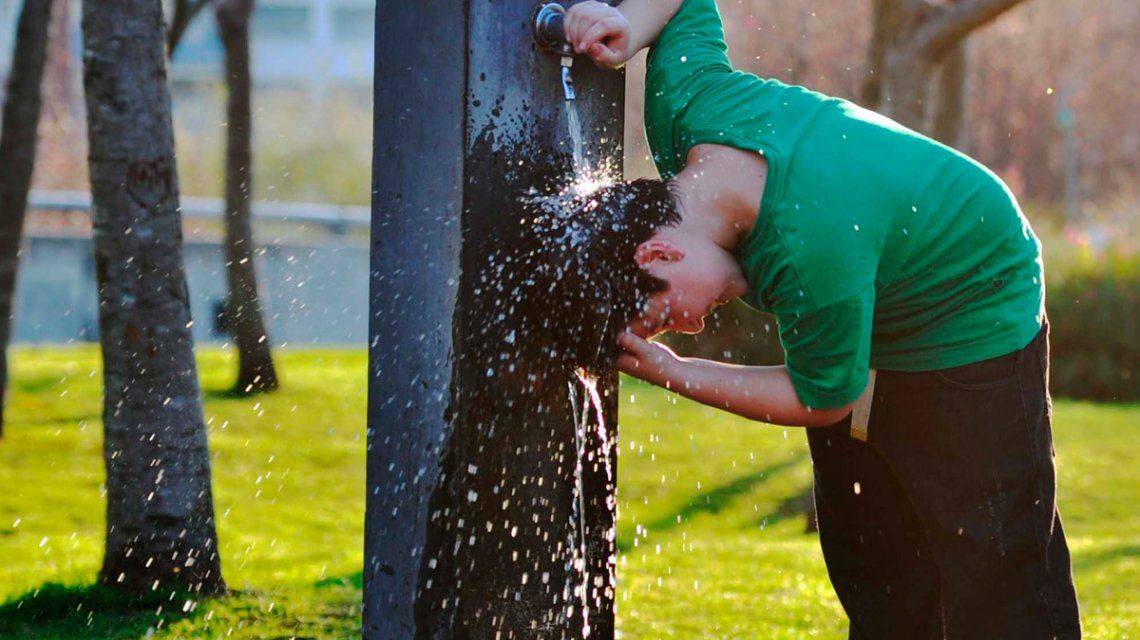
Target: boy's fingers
x,y
591,35
627,364
581,18
571,23
604,55
627,342
569,26
586,27
634,344
599,30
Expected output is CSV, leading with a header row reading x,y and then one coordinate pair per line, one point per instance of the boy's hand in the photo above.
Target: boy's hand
x,y
599,31
655,363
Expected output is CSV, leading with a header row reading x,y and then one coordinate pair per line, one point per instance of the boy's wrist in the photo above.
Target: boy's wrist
x,y
676,373
646,20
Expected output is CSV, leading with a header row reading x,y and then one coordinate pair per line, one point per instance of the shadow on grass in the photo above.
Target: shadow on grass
x,y
48,420
55,611
356,581
231,393
713,501
34,386
1088,561
799,504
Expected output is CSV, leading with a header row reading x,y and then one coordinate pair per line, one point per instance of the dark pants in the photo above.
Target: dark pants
x,y
944,524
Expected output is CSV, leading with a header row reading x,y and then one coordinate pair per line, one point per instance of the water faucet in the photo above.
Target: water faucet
x,y
551,35
567,79
548,29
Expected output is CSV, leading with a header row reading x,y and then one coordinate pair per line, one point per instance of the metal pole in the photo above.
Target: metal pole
x,y
471,448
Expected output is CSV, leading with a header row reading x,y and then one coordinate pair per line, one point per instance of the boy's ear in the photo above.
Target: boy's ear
x,y
652,251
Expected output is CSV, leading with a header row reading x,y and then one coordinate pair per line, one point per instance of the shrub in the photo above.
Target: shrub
x,y
1094,312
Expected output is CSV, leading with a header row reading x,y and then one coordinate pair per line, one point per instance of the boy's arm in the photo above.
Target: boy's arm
x,y
612,35
646,19
758,393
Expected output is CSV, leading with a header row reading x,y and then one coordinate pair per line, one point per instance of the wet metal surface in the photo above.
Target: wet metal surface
x,y
472,445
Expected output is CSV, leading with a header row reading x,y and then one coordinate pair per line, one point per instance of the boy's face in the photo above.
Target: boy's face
x,y
701,277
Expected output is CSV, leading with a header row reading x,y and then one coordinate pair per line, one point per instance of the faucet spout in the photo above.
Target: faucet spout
x,y
567,77
550,34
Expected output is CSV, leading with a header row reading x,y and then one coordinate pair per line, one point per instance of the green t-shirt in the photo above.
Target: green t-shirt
x,y
875,247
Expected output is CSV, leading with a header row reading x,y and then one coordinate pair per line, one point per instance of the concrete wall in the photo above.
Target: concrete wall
x,y
316,294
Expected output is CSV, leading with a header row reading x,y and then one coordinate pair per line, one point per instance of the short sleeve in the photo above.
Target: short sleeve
x,y
689,53
692,41
828,350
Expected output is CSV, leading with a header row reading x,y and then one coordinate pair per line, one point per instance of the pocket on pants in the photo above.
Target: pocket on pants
x,y
983,375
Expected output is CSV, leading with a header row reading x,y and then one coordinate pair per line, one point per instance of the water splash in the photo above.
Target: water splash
x,y
579,558
591,438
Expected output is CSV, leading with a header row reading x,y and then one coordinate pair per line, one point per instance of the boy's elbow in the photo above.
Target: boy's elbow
x,y
827,417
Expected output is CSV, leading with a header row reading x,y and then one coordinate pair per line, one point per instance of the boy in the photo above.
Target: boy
x,y
878,250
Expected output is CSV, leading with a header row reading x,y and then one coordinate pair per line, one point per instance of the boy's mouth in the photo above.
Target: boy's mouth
x,y
721,299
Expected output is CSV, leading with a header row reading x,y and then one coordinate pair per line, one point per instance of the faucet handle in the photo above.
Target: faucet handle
x,y
549,31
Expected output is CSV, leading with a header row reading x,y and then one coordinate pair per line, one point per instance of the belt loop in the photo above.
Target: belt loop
x,y
861,412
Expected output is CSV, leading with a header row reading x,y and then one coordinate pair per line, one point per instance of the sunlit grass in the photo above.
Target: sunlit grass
x,y
738,563
711,525
288,475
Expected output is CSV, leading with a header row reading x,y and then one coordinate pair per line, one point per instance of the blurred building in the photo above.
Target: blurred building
x,y
312,63
314,286
298,42
9,12
310,42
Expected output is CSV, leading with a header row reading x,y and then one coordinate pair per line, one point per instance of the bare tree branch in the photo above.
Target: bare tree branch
x,y
935,37
184,12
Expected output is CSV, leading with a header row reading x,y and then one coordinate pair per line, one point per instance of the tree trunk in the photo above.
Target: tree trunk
x,y
180,19
160,515
906,88
885,29
800,60
244,314
17,159
950,103
913,39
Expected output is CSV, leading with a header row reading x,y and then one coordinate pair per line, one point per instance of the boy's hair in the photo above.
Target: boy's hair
x,y
584,284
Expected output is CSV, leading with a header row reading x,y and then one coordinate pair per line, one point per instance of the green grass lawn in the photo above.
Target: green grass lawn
x,y
711,525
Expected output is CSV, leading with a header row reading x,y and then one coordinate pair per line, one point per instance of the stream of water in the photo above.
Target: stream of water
x,y
581,171
579,556
583,396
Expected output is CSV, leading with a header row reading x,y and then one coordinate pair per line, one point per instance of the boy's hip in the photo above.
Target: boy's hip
x,y
1022,366
970,452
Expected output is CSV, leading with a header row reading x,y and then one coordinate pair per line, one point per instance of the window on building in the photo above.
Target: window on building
x,y
354,24
281,21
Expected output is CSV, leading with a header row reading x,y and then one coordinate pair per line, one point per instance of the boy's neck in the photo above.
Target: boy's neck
x,y
720,190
